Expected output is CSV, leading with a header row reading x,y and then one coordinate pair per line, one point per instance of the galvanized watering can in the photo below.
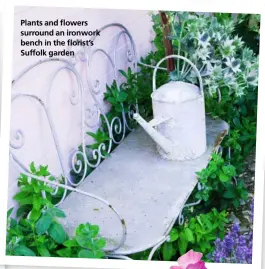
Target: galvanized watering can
x,y
178,126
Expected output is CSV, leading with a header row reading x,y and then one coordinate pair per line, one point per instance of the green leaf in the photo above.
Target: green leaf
x,y
93,230
174,235
43,251
112,100
101,243
85,253
24,209
71,243
122,96
57,232
236,203
44,171
37,202
182,244
13,223
167,251
237,122
92,134
223,177
64,252
22,195
85,241
32,168
34,214
230,194
23,251
55,211
9,212
43,224
123,73
189,235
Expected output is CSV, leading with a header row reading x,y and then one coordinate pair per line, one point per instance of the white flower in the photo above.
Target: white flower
x,y
203,53
252,78
207,81
237,42
229,78
203,40
234,64
228,49
217,72
218,36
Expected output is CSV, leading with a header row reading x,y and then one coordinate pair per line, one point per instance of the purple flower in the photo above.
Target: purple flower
x,y
235,228
229,241
235,247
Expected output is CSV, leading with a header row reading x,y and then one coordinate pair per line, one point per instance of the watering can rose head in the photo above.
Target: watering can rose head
x,y
190,260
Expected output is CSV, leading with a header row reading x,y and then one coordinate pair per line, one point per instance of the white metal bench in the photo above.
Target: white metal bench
x,y
134,196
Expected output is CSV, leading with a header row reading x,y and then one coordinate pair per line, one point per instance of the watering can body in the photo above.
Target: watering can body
x,y
178,126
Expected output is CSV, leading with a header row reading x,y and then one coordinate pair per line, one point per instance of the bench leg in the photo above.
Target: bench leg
x,y
157,246
181,217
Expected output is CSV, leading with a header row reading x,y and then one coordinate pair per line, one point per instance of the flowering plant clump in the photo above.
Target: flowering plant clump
x,y
236,247
190,260
222,57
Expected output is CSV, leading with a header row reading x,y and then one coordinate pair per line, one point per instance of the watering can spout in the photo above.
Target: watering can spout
x,y
163,142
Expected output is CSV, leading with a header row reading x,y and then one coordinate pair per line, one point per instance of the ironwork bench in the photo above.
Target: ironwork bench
x,y
134,196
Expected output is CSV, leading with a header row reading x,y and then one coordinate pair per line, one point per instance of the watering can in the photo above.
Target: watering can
x,y
178,126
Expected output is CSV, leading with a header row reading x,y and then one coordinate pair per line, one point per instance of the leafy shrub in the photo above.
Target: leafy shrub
x,y
218,186
37,231
29,197
198,233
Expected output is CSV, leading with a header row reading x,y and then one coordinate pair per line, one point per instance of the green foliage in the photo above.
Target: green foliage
x,y
37,230
197,233
29,197
248,27
124,96
85,244
36,237
219,188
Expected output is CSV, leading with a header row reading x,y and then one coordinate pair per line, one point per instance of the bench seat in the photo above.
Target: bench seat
x,y
148,192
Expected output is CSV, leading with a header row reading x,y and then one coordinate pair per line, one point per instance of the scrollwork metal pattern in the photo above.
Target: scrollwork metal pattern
x,y
81,159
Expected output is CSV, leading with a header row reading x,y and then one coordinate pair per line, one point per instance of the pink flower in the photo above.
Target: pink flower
x,y
190,260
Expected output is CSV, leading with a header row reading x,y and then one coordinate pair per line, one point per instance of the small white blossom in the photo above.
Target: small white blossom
x,y
237,42
228,49
203,40
203,53
234,64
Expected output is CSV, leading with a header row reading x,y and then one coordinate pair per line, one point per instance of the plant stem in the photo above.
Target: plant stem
x,y
179,47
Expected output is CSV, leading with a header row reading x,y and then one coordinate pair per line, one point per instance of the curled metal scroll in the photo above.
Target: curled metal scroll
x,y
117,126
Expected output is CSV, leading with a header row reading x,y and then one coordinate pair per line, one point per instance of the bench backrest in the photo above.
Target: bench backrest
x,y
55,132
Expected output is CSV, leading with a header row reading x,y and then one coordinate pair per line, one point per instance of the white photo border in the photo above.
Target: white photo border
x,y
235,6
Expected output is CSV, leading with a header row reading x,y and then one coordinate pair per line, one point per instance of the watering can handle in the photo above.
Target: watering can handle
x,y
184,59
